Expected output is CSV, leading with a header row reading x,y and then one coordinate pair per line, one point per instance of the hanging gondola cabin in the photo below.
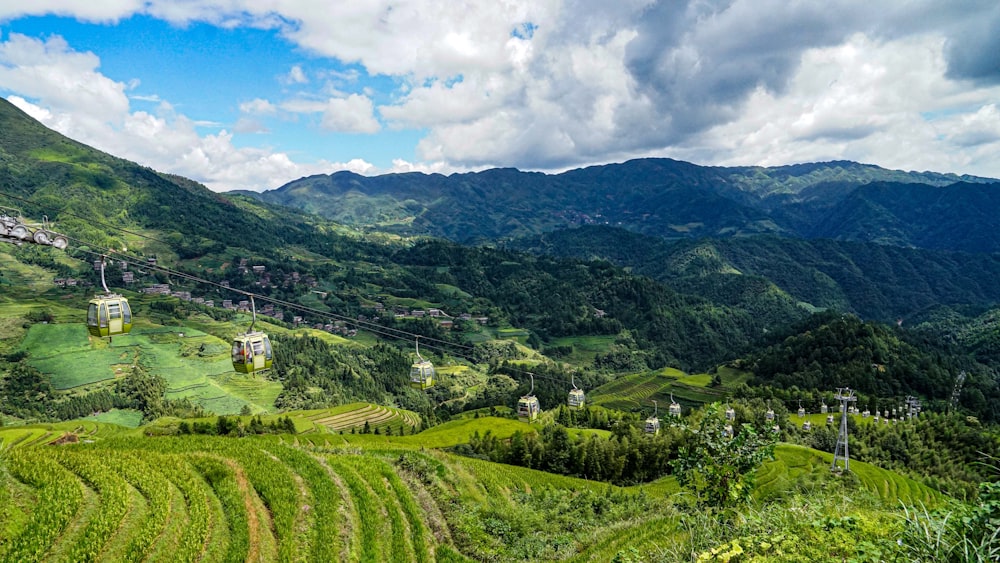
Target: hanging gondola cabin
x,y
675,410
252,352
109,315
652,425
422,375
528,408
576,398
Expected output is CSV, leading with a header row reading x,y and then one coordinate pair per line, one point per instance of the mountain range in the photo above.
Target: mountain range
x,y
667,198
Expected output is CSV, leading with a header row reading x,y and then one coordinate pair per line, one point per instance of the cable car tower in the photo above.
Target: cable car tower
x,y
912,407
845,395
15,230
421,372
576,397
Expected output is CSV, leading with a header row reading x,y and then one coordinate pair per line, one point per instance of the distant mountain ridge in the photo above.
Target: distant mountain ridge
x,y
874,281
668,198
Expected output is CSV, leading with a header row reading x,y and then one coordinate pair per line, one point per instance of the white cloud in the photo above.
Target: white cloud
x,y
51,71
296,76
102,11
904,84
62,89
353,114
248,125
867,101
258,106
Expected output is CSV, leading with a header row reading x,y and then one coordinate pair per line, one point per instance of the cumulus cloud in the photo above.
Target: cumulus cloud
x,y
558,83
63,89
353,114
258,106
50,70
296,76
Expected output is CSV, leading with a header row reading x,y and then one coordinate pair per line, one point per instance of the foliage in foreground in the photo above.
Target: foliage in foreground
x,y
718,463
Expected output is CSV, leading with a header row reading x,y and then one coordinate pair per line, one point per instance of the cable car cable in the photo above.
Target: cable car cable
x,y
384,331
203,281
381,330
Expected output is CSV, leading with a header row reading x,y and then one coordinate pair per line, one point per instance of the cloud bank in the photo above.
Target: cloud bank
x,y
557,84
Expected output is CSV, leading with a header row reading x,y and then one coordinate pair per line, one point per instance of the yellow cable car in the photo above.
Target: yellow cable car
x,y
675,408
528,406
109,314
421,372
576,399
252,349
252,352
653,423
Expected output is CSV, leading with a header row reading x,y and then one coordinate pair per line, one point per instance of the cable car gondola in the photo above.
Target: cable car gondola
x,y
252,349
528,406
675,407
653,422
576,398
109,314
421,372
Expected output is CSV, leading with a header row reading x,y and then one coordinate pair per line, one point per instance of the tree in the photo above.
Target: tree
x,y
720,468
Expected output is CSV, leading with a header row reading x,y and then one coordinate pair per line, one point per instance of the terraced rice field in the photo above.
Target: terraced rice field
x,y
639,390
355,415
199,498
116,495
792,462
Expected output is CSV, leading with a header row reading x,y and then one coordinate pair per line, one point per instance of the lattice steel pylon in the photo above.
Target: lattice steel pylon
x,y
845,395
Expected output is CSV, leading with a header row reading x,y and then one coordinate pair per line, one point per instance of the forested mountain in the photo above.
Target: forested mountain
x,y
667,198
875,281
831,350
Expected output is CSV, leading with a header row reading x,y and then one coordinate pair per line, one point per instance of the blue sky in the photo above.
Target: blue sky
x,y
242,94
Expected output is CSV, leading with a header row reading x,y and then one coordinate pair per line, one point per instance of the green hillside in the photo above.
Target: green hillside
x,y
873,280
